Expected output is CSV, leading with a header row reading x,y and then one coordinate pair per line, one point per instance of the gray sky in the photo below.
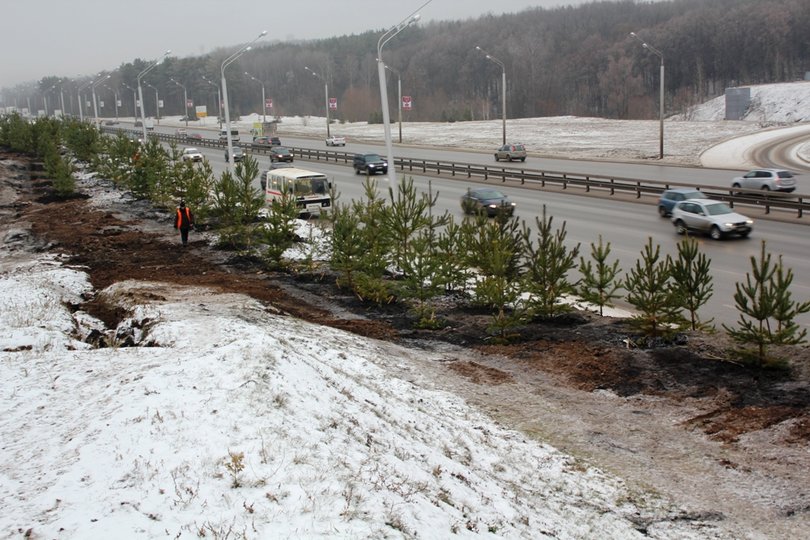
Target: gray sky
x,y
67,38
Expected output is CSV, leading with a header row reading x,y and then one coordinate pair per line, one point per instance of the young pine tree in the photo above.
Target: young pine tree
x,y
692,281
277,233
547,264
495,251
649,290
767,310
599,281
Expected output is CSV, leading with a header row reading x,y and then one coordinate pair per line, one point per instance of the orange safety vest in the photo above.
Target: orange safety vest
x,y
179,220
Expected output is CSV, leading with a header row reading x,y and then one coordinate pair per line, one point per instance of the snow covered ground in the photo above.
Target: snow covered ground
x,y
700,137
231,421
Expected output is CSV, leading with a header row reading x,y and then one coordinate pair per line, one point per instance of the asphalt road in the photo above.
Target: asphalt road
x,y
626,224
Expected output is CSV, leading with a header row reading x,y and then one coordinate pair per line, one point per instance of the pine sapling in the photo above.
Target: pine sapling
x,y
599,281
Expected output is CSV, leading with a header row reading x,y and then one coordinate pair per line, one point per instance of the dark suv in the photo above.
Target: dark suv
x,y
370,164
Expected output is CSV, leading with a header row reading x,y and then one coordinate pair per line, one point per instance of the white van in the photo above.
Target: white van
x,y
223,135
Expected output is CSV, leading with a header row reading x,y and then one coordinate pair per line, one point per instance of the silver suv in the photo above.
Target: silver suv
x,y
511,152
706,216
766,180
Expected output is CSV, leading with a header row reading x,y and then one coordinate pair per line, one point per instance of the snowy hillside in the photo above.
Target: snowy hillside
x,y
778,103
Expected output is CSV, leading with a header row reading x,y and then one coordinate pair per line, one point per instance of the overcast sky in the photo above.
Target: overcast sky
x,y
66,38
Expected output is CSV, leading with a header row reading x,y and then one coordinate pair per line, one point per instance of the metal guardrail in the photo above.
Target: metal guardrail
x,y
541,178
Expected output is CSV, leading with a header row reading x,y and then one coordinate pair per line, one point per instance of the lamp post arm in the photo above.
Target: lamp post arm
x,y
225,64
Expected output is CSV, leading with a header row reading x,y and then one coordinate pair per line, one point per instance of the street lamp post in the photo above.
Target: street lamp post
x,y
185,98
225,64
660,55
219,101
157,101
264,101
45,98
79,98
62,100
115,97
503,87
140,90
399,97
95,105
134,99
326,97
385,38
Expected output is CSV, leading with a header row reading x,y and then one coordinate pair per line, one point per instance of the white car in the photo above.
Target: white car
x,y
706,216
192,154
335,141
766,180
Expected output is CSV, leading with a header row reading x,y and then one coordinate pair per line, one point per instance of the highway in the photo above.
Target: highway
x,y
626,224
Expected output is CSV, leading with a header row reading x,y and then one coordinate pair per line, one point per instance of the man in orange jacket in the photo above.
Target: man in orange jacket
x,y
183,221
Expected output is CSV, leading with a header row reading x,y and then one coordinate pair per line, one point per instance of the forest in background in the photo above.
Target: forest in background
x,y
578,61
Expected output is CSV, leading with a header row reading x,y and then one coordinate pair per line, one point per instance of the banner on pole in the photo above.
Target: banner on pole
x,y
407,104
332,104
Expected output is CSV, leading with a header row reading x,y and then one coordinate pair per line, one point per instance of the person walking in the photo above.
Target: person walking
x,y
183,221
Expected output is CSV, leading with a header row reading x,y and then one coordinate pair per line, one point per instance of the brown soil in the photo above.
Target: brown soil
x,y
576,363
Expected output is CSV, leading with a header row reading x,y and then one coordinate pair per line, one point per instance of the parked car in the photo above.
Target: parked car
x,y
671,197
766,180
238,154
334,140
281,153
706,216
191,154
266,141
369,164
511,152
491,201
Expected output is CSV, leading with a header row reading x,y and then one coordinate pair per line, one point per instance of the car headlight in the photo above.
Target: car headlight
x,y
749,221
492,205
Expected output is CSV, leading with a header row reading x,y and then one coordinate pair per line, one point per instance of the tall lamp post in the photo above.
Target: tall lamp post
x,y
45,98
134,99
95,105
79,98
660,55
115,97
264,102
185,98
157,100
62,100
385,38
225,64
219,101
399,97
326,98
140,90
503,87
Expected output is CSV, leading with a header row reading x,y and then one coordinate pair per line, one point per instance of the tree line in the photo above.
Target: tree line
x,y
563,61
397,247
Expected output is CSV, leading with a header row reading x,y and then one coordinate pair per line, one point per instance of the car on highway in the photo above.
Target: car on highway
x,y
266,141
766,180
181,132
369,164
191,154
670,197
707,216
334,140
511,152
281,153
486,200
238,154
195,136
